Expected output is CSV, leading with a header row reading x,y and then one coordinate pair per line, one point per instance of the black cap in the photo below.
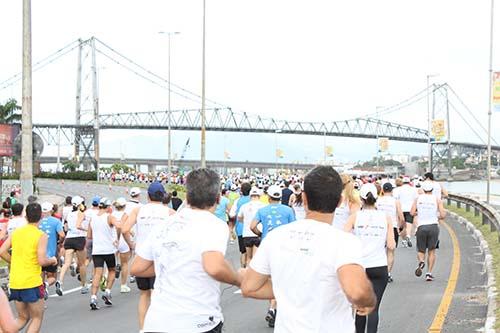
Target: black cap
x,y
387,187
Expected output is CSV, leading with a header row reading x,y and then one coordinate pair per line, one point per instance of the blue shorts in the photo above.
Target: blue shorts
x,y
31,295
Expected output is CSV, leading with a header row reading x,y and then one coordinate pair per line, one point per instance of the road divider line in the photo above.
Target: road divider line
x,y
70,291
439,318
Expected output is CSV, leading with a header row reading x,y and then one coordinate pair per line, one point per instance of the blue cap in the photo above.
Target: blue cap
x,y
96,200
156,187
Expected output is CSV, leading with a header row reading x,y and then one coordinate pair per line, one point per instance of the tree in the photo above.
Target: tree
x,y
9,112
70,166
117,167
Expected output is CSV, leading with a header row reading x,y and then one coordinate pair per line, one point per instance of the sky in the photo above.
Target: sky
x,y
314,60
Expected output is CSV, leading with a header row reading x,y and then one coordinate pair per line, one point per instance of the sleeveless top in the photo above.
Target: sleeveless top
x,y
371,228
73,232
25,272
427,209
103,235
387,204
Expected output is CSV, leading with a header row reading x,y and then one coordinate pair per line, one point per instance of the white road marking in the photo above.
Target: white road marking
x,y
66,292
237,291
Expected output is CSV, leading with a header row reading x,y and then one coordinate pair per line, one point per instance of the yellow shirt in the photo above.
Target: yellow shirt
x,y
264,198
25,272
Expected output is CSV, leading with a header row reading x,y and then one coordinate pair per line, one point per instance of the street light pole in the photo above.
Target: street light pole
x,y
203,138
429,122
488,169
26,178
169,35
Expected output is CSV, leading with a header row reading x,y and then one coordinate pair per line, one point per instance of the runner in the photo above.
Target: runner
x,y
176,202
54,230
374,229
317,278
122,269
392,207
224,207
144,218
8,323
75,244
89,214
235,210
350,203
29,254
286,193
429,211
134,201
247,215
17,219
105,242
407,195
271,217
187,256
297,202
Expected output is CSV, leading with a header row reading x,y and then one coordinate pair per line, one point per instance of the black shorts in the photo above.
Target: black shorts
x,y
145,283
408,217
77,243
251,241
50,269
396,235
100,259
427,237
241,245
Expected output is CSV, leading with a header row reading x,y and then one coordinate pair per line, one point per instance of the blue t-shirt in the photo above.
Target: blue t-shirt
x,y
274,215
239,224
221,209
51,226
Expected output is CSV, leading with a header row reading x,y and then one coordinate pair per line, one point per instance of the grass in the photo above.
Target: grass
x,y
493,243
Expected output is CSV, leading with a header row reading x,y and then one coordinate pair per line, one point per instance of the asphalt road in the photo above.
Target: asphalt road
x,y
409,304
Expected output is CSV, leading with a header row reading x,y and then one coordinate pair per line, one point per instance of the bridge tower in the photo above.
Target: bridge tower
x,y
441,144
87,106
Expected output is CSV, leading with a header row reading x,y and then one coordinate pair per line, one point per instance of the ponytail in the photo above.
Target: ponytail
x,y
370,199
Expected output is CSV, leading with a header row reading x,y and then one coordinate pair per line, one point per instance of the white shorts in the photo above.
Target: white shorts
x,y
123,246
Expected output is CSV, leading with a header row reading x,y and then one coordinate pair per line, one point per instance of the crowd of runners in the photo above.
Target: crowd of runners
x,y
298,237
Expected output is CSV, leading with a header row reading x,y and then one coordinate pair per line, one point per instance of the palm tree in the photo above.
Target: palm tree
x,y
9,112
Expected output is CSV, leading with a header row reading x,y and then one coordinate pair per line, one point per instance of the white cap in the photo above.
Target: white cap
x,y
234,187
105,202
427,186
254,191
135,191
368,188
406,179
120,202
274,191
47,207
76,200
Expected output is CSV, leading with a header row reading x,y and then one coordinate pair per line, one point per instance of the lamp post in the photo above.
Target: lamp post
x,y
488,168
429,121
203,138
169,35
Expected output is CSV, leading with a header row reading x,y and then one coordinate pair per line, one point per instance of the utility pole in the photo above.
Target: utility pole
x,y
448,131
26,178
203,138
95,104
429,122
488,168
78,110
58,168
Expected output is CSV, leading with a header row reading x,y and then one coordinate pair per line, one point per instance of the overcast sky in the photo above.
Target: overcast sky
x,y
300,60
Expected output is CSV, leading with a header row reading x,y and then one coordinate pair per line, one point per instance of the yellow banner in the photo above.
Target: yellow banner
x,y
329,151
383,144
438,132
496,91
280,153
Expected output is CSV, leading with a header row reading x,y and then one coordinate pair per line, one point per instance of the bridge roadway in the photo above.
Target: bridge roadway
x,y
409,304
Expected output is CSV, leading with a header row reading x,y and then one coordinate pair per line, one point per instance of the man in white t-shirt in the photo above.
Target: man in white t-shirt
x,y
186,253
247,214
316,271
406,195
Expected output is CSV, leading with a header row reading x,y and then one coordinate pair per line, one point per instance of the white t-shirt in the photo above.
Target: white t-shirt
x,y
406,195
436,190
303,259
300,212
371,228
341,215
185,298
65,211
247,215
149,215
427,210
387,204
103,235
15,223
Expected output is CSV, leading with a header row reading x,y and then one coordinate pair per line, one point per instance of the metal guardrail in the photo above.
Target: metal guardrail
x,y
489,215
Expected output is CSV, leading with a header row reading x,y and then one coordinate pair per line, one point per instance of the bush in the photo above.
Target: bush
x,y
176,187
74,175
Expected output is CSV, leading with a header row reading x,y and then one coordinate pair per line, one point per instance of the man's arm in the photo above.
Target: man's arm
x,y
142,267
253,227
357,288
4,254
131,221
401,217
42,253
256,285
413,210
390,242
442,212
219,268
350,223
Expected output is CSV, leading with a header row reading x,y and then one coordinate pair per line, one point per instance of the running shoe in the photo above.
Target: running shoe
x,y
72,269
84,290
389,278
408,241
93,304
132,279
429,277
102,284
418,271
125,289
272,319
118,269
59,290
107,298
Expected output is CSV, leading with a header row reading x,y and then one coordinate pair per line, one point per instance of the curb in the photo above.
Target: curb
x,y
489,325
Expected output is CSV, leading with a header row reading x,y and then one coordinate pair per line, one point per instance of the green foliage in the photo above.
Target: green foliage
x,y
119,166
176,187
458,163
75,175
70,166
9,112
